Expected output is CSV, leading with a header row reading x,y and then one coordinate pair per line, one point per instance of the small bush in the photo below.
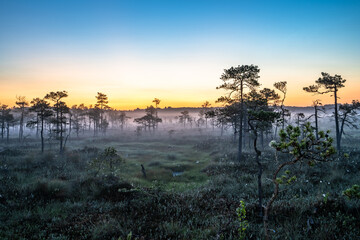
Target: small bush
x,y
53,189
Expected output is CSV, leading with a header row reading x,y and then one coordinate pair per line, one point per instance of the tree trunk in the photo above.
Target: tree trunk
x,y
316,123
37,127
94,127
260,192
70,124
57,118
61,132
274,195
342,126
7,132
337,122
42,134
21,125
2,128
245,132
240,147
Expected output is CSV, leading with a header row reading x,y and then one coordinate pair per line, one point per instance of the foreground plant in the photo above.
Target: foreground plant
x,y
241,213
353,192
107,161
301,146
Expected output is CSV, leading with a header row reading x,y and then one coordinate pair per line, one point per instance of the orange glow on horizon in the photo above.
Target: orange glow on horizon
x,y
135,52
297,98
181,84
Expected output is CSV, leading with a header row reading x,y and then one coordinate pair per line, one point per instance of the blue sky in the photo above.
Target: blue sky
x,y
146,49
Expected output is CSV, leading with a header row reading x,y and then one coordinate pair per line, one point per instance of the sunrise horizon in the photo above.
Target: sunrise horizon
x,y
177,52
179,119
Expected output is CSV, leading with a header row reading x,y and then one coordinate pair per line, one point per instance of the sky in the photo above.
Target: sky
x,y
176,51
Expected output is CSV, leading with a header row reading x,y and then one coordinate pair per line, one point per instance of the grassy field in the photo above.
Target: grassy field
x,y
192,189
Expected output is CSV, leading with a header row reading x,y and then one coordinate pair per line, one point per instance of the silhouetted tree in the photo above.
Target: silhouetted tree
x,y
63,109
56,97
260,118
149,120
43,110
10,121
220,119
101,103
235,80
269,95
157,102
205,107
118,118
329,84
230,114
77,116
347,115
317,108
6,119
84,111
184,117
299,118
200,121
4,112
122,119
22,103
272,98
94,116
210,114
282,87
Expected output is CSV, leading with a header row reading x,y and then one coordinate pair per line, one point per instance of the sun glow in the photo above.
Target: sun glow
x,y
134,55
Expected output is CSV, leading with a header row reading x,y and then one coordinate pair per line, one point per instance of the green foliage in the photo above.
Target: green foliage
x,y
353,192
243,223
106,162
300,145
53,197
286,179
306,147
326,196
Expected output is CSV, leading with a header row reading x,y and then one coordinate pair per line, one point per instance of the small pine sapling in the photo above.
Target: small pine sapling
x,y
301,146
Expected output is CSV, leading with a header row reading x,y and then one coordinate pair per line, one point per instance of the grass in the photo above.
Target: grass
x,y
160,160
58,197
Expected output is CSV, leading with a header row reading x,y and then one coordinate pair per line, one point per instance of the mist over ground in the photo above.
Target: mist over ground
x,y
178,178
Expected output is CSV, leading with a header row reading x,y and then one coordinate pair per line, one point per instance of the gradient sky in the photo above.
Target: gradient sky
x,y
134,51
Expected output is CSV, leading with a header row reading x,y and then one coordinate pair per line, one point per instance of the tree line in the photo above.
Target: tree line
x,y
53,119
262,111
251,113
